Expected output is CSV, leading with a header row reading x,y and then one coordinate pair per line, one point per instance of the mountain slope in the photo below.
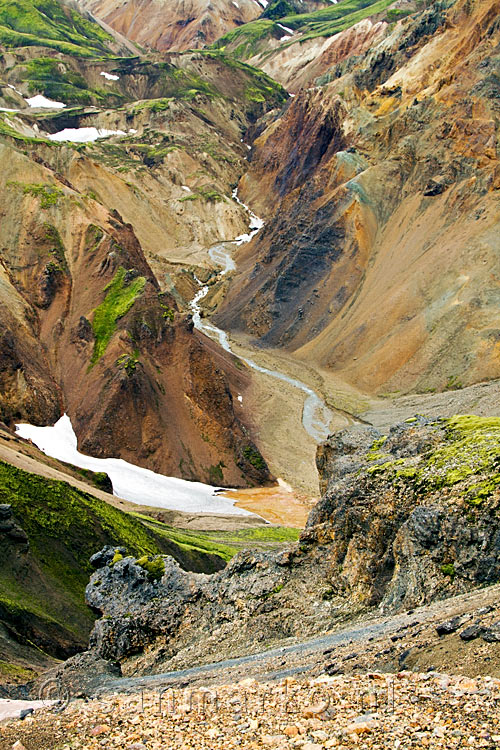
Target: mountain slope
x,y
383,182
173,25
296,46
52,24
86,325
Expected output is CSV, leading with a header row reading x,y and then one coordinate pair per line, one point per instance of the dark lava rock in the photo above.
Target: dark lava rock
x,y
435,187
80,676
10,529
451,626
492,635
472,632
105,555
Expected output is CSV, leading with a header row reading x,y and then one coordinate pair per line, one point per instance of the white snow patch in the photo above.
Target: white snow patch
x,y
41,102
109,76
285,28
285,38
240,399
132,131
14,89
4,109
130,482
10,709
186,188
83,135
264,3
234,3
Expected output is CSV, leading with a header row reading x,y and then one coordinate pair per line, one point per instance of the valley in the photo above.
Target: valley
x,y
249,363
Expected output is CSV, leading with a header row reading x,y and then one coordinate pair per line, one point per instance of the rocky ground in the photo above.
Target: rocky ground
x,y
374,710
427,678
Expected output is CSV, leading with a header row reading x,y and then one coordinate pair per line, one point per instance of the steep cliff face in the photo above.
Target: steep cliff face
x,y
383,183
405,519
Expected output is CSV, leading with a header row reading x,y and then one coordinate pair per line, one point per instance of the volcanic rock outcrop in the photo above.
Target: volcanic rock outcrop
x,y
405,519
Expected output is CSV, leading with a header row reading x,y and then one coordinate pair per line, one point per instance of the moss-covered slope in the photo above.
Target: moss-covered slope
x,y
260,36
43,579
46,22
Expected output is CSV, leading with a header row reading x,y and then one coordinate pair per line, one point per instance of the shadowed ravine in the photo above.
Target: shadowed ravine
x,y
316,416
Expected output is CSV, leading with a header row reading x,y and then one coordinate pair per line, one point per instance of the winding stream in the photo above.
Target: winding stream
x,y
316,416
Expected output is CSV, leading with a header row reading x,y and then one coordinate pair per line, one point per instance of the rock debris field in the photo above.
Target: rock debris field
x,y
373,710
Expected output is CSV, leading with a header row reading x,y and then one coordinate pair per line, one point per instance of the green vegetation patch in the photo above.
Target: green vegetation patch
x,y
470,449
119,299
243,42
49,195
51,24
254,457
207,194
7,130
225,544
154,566
248,40
59,82
65,526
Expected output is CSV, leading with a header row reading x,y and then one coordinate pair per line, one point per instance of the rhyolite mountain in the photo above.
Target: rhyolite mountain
x,y
177,25
382,181
87,327
378,263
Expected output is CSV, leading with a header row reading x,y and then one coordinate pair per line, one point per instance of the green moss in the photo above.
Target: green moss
x,y
65,526
243,41
207,194
254,95
453,383
51,24
153,105
251,38
374,453
155,567
277,9
275,590
128,362
57,81
57,248
49,195
93,237
471,448
15,671
116,558
8,131
448,570
216,474
119,299
168,313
